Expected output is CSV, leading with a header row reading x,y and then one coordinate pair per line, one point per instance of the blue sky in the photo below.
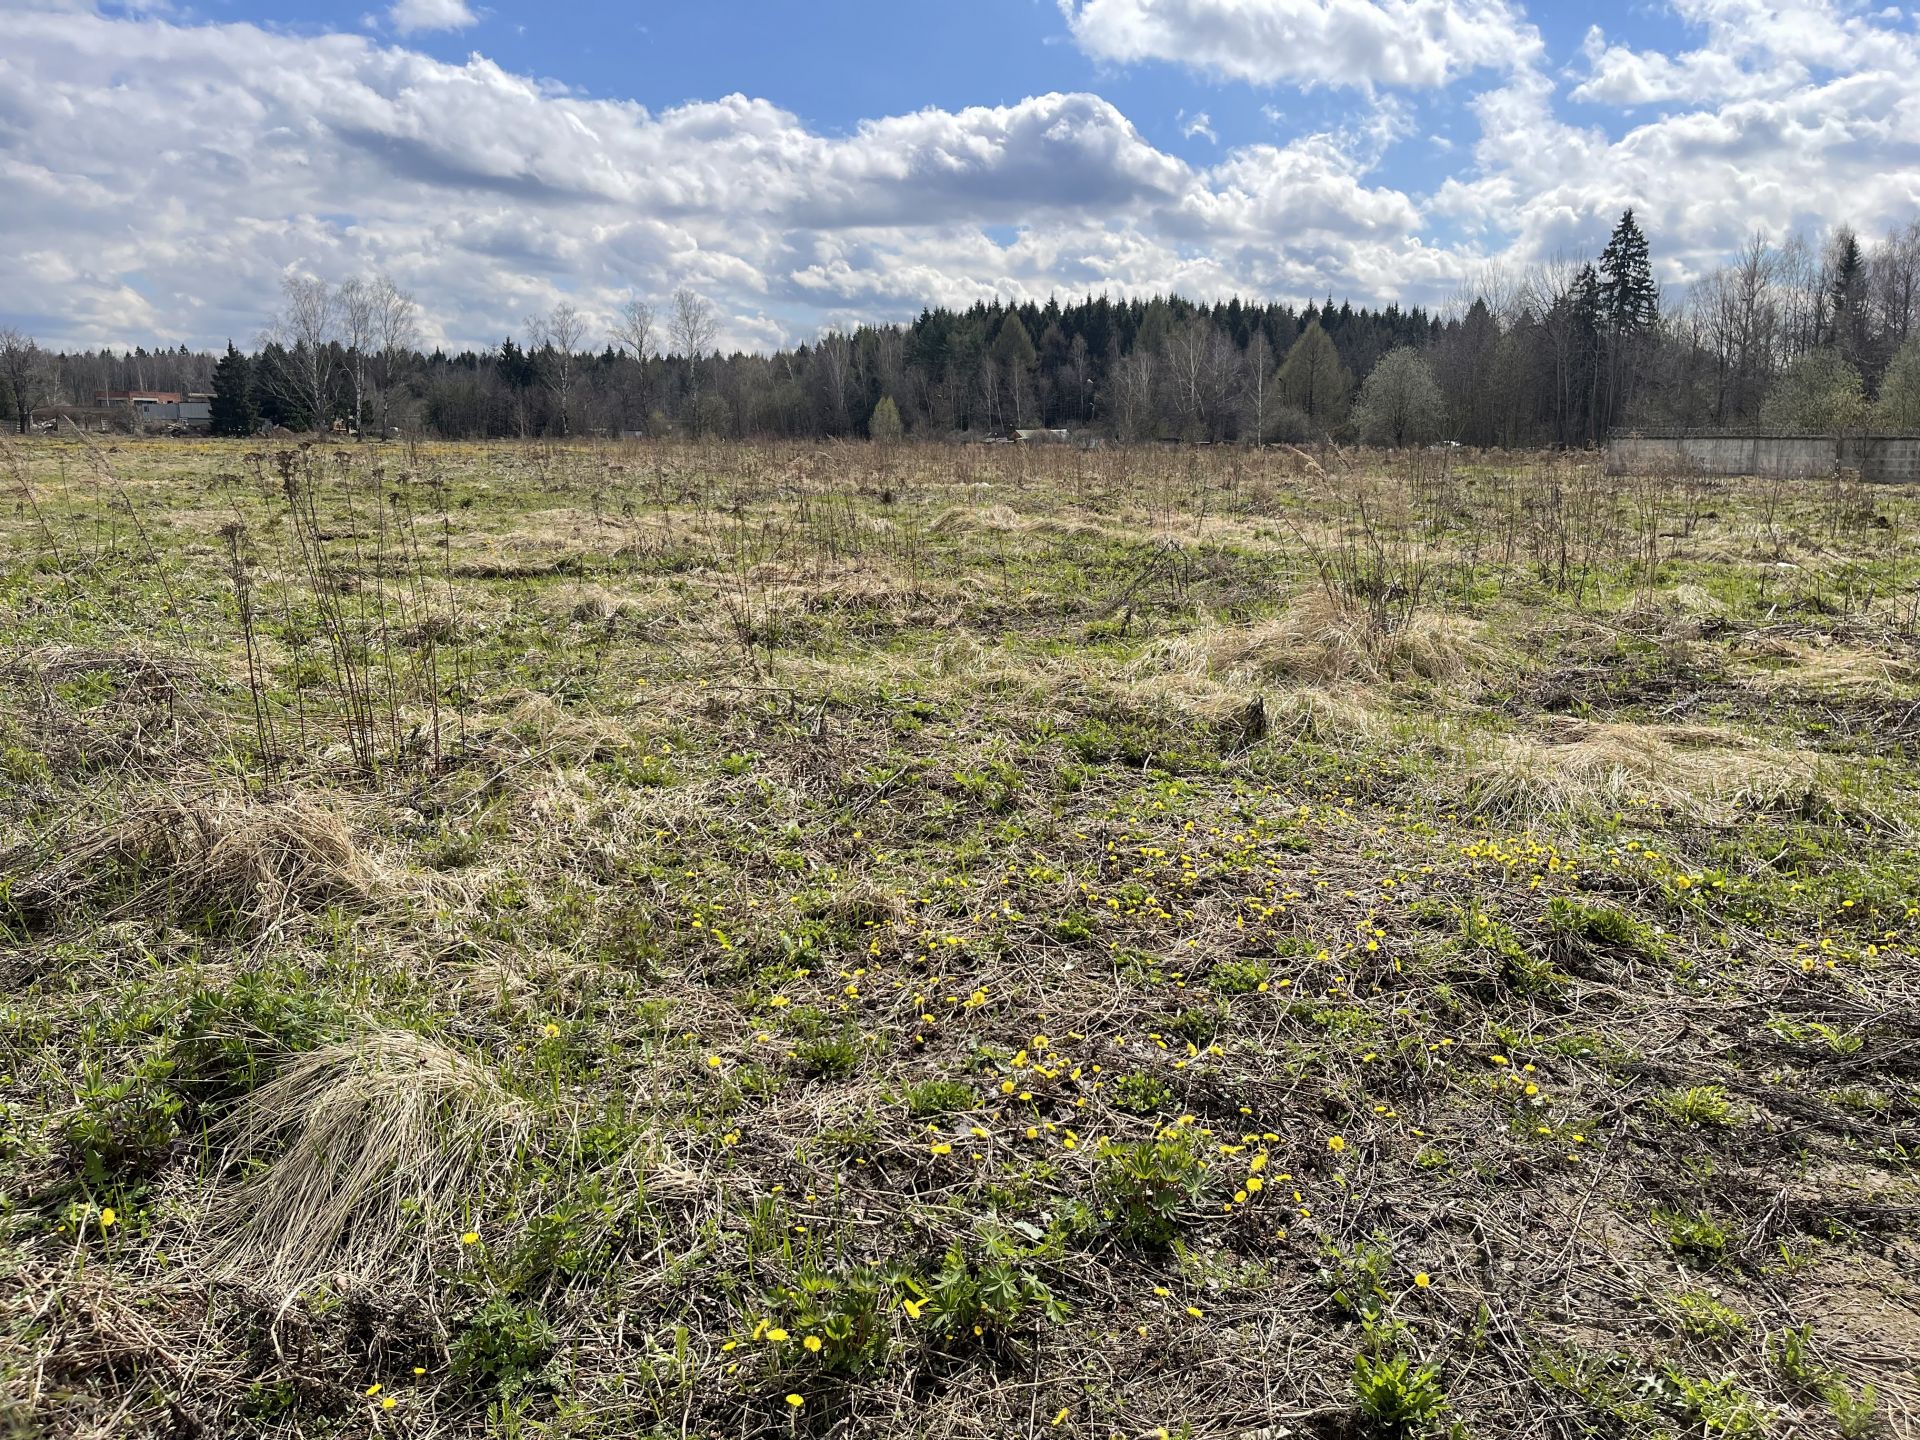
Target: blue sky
x,y
812,165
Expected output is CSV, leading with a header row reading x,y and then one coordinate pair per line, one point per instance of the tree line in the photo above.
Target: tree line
x,y
1784,336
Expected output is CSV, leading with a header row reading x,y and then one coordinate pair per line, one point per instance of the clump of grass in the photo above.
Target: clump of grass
x,y
364,1150
940,1097
1691,1233
222,862
1580,770
1707,1107
1318,643
1705,1318
1585,928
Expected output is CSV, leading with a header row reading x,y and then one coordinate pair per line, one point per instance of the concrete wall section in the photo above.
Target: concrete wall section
x,y
1893,459
1890,458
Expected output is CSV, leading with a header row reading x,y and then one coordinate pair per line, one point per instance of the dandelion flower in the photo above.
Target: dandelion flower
x,y
1336,1143
796,1401
776,1334
1422,1280
812,1342
472,1237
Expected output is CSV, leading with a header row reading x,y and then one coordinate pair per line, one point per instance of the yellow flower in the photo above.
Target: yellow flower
x,y
1422,1280
776,1333
796,1401
1060,1419
1336,1144
388,1403
941,1147
472,1237
713,1062
375,1389
1194,1310
912,1307
812,1342
107,1218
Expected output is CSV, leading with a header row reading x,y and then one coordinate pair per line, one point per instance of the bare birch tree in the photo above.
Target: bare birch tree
x,y
557,336
305,329
633,334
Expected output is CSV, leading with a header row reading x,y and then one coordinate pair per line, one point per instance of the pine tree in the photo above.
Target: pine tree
x,y
233,410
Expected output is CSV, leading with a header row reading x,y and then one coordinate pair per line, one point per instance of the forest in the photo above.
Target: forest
x,y
1786,336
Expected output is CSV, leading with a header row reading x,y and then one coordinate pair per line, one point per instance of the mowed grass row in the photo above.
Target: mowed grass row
x,y
671,940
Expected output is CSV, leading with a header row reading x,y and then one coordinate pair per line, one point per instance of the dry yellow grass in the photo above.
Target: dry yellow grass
x,y
1318,643
243,862
1575,769
369,1153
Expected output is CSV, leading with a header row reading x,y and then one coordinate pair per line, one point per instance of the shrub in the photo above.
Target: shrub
x,y
1240,977
504,1347
1396,1395
1143,1186
848,1313
123,1132
940,1097
1141,1093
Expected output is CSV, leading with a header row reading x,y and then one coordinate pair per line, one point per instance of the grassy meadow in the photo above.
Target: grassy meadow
x,y
646,941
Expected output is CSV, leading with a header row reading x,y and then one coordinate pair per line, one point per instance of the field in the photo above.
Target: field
x,y
727,941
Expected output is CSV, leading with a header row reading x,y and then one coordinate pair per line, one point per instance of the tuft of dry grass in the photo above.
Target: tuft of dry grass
x,y
1575,769
369,1152
154,714
1316,642
243,863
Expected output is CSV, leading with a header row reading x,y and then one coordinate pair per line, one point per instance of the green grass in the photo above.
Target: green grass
x,y
616,903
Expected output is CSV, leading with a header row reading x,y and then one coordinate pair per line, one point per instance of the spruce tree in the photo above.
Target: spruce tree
x,y
1847,297
1630,309
233,410
1628,297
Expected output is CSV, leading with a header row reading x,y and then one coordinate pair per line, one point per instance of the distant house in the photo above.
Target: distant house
x,y
160,407
1042,437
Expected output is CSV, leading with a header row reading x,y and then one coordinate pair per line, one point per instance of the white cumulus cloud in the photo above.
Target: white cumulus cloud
x,y
1412,43
412,16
